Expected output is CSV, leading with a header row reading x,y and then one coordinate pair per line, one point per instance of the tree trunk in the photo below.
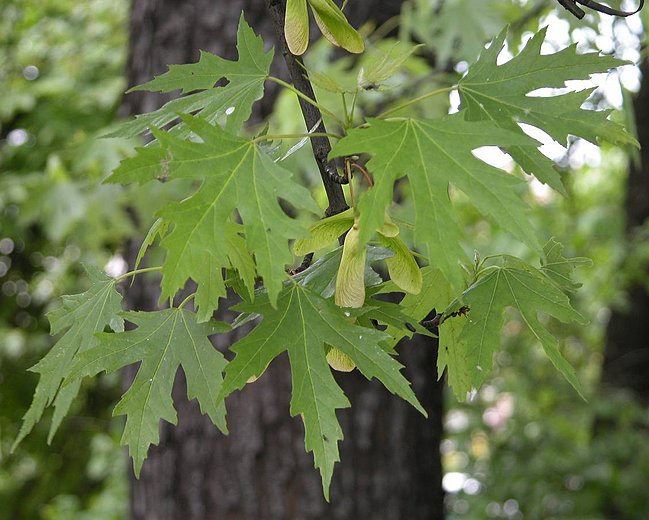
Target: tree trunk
x,y
390,466
626,357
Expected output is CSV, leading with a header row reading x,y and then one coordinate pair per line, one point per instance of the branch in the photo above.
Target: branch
x,y
320,144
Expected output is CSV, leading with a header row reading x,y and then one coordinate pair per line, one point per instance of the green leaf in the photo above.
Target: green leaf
x,y
433,154
501,93
81,316
302,324
239,256
437,24
233,101
296,26
401,322
327,82
321,275
334,26
528,290
148,163
236,175
436,294
163,341
559,268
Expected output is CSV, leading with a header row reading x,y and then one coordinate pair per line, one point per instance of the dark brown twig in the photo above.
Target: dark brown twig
x,y
438,319
306,263
300,79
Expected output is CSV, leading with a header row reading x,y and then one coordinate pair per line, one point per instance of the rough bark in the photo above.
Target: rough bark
x,y
390,465
626,357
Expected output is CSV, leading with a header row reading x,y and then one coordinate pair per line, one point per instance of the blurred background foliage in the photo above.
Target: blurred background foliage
x,y
523,447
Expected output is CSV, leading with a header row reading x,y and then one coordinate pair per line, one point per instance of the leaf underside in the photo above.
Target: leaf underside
x,y
501,94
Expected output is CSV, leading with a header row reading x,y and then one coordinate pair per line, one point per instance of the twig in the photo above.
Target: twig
x,y
438,319
320,144
306,263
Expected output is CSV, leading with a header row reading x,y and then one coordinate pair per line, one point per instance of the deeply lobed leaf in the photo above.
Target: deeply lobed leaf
x,y
246,77
163,341
526,289
80,316
501,94
302,324
204,240
433,154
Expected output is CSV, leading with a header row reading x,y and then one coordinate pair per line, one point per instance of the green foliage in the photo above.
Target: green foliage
x,y
420,149
302,324
80,316
162,341
232,102
514,284
502,94
435,23
235,229
236,174
61,68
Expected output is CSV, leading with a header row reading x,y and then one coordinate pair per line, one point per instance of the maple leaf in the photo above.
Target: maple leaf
x,y
163,341
514,284
559,268
236,175
501,93
302,324
433,154
82,315
234,101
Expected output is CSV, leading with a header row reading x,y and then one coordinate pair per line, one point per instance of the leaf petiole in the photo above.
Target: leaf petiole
x,y
138,271
271,137
417,100
306,98
186,300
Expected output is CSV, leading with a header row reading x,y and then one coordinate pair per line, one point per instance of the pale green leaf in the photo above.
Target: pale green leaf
x,y
559,268
528,290
163,341
80,316
334,26
383,65
456,29
327,82
501,94
403,268
233,101
325,231
296,26
159,227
